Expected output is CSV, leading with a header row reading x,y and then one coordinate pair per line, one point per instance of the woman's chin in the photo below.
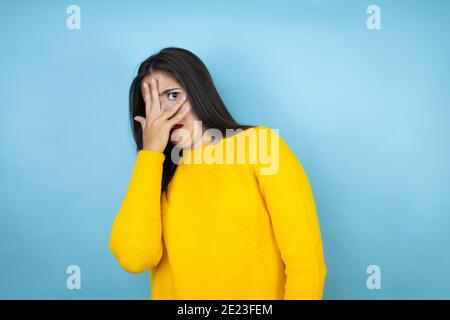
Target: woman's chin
x,y
180,143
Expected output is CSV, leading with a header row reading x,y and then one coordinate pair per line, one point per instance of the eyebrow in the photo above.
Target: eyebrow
x,y
167,90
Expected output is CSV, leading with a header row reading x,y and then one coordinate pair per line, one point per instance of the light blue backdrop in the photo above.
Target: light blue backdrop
x,y
366,112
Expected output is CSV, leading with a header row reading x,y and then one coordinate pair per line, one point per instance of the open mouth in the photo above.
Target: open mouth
x,y
175,127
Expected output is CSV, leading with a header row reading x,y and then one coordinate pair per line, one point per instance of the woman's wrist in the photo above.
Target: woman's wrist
x,y
152,148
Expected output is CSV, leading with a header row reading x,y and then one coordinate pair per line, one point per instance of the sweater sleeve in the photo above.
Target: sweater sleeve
x,y
136,235
290,204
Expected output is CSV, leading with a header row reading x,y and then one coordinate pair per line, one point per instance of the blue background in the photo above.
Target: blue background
x,y
366,112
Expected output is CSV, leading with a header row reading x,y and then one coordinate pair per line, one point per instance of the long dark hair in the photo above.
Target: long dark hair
x,y
188,70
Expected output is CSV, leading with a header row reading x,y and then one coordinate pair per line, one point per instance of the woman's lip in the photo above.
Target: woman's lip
x,y
177,126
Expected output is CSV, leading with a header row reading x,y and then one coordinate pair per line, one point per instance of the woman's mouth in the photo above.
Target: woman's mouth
x,y
175,127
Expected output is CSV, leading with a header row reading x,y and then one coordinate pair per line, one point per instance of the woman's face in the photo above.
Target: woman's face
x,y
170,91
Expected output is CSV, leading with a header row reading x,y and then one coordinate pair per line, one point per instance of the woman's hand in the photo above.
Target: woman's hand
x,y
158,121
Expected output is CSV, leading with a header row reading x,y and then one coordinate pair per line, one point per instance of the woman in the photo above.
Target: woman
x,y
238,224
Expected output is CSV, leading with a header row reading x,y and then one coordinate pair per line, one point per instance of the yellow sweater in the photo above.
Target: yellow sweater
x,y
225,230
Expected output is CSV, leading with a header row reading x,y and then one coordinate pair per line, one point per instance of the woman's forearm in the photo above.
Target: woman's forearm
x,y
136,235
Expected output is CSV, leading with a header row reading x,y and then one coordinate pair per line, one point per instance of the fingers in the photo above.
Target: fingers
x,y
141,120
179,115
147,98
173,109
156,105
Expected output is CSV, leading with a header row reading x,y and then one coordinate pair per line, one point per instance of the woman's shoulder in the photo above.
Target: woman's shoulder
x,y
260,131
271,150
262,136
262,147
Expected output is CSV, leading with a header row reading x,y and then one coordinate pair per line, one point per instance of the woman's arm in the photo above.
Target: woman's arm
x,y
136,235
289,200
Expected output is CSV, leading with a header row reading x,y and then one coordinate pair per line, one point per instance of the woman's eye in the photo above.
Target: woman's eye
x,y
172,95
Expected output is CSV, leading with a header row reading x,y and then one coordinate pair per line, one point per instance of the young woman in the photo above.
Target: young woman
x,y
214,209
